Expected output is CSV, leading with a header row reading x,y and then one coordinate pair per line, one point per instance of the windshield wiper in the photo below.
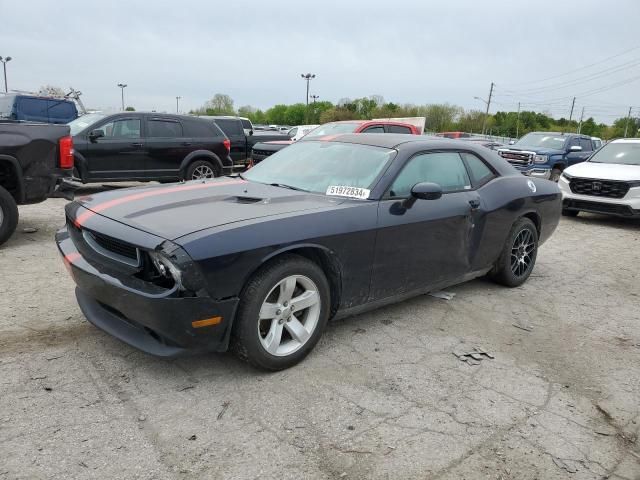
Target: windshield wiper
x,y
284,185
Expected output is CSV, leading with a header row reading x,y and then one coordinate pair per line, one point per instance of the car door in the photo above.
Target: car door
x,y
167,145
427,244
117,151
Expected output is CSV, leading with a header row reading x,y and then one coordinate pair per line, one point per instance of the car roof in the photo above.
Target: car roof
x,y
626,140
390,140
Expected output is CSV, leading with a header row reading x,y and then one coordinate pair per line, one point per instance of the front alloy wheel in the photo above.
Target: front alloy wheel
x,y
282,313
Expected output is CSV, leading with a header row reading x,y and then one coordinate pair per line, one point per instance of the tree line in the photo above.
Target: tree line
x,y
439,117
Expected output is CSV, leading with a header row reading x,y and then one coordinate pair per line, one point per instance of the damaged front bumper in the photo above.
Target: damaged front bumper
x,y
159,321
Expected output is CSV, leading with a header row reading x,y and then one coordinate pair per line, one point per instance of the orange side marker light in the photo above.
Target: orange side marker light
x,y
207,322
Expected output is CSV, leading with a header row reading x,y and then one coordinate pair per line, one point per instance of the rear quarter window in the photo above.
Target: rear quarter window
x,y
399,129
203,129
164,129
479,172
229,126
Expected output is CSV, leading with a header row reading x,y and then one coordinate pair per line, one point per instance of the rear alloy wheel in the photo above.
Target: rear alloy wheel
x,y
201,169
8,215
518,255
282,313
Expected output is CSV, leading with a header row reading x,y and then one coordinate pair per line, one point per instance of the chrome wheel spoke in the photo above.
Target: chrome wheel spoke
x,y
268,310
274,337
306,300
297,330
287,286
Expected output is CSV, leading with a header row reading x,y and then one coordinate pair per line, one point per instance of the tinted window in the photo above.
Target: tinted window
x,y
63,111
575,142
246,124
445,169
6,106
399,129
125,128
293,132
479,171
586,144
374,129
164,129
202,129
229,126
33,107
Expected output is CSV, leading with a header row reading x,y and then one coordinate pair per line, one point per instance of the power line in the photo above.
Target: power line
x,y
580,68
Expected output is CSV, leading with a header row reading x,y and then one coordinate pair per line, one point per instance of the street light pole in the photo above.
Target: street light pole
x,y
308,77
122,87
178,104
4,66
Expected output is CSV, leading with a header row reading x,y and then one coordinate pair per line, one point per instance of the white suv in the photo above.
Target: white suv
x,y
608,182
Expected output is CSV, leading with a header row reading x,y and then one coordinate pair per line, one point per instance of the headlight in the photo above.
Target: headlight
x,y
540,159
566,176
166,269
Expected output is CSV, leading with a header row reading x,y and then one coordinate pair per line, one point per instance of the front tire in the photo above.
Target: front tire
x,y
8,215
282,313
201,169
518,255
555,175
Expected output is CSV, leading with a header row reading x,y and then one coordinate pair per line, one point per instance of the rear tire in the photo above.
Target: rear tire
x,y
555,175
518,255
570,213
282,313
201,169
8,215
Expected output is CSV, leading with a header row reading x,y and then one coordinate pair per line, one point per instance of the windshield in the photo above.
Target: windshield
x,y
623,153
315,166
80,123
333,129
545,140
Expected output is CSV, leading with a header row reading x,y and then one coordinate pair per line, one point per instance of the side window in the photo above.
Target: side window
x,y
201,129
125,128
574,142
399,129
374,129
164,129
586,144
246,124
443,168
478,170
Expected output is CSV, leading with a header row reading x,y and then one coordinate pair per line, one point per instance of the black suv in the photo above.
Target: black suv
x,y
148,146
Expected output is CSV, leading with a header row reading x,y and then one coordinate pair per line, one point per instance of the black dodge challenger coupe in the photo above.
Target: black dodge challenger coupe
x,y
259,262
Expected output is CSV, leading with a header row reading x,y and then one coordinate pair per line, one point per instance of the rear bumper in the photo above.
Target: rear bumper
x,y
160,324
38,189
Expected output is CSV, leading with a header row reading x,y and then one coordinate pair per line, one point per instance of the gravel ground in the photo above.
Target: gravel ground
x,y
382,396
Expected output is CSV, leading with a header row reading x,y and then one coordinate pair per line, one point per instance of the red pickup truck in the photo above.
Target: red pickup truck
x,y
262,150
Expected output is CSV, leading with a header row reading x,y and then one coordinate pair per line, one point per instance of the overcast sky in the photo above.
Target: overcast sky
x,y
408,52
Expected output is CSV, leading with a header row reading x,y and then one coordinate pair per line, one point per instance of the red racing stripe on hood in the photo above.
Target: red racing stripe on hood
x,y
83,217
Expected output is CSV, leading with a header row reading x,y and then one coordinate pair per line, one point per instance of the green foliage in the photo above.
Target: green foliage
x,y
129,109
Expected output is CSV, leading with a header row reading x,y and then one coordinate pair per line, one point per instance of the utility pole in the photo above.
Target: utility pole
x,y
122,87
626,125
4,66
178,104
486,113
580,124
573,104
308,77
518,122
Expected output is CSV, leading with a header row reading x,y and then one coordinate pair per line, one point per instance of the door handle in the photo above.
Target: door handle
x,y
475,204
136,144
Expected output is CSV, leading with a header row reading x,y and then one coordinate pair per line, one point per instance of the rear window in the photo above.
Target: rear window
x,y
33,107
61,110
399,129
6,106
230,126
164,129
202,129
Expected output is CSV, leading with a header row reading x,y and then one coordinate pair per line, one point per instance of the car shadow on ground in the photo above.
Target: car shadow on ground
x,y
605,221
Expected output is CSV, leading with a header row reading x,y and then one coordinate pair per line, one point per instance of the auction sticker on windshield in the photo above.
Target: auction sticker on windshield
x,y
351,192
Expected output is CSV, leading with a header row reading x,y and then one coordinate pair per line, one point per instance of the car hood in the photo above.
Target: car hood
x,y
279,142
538,150
605,171
173,211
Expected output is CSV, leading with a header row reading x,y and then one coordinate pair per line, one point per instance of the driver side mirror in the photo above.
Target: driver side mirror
x,y
96,134
575,148
423,191
250,132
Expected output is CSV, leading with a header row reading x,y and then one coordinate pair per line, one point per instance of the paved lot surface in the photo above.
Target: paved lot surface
x,y
382,396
